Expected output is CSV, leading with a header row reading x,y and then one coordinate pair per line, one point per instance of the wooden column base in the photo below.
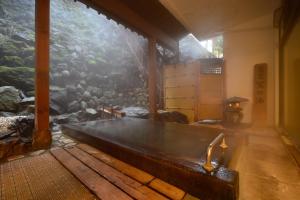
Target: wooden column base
x,y
41,139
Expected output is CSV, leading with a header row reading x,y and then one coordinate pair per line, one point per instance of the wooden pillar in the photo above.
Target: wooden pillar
x,y
177,53
152,67
42,135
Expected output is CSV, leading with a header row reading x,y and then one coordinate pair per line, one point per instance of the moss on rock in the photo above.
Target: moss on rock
x,y
18,44
92,62
8,48
12,61
30,93
28,51
20,77
29,61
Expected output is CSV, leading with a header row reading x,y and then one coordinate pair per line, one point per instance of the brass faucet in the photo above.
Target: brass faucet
x,y
208,166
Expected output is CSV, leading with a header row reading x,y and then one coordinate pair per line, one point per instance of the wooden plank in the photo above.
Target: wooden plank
x,y
152,67
184,102
184,74
210,111
214,84
8,189
42,135
123,167
101,187
22,188
190,197
127,184
120,12
181,69
178,81
180,87
167,189
180,92
211,96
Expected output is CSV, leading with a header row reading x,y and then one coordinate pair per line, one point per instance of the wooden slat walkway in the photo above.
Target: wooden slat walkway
x,y
125,183
81,172
169,191
123,167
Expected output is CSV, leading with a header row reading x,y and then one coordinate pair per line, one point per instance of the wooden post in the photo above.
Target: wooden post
x,y
152,66
177,53
42,135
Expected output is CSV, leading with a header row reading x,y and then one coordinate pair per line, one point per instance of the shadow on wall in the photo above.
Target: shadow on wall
x,y
295,125
291,92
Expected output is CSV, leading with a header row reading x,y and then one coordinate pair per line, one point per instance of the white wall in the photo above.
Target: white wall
x,y
244,46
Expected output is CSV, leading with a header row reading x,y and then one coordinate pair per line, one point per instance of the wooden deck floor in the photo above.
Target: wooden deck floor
x,y
80,172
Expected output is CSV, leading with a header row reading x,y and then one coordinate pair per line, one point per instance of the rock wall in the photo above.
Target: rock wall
x,y
94,61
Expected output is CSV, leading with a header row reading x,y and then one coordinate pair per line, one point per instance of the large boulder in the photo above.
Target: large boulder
x,y
88,114
27,101
59,100
9,98
7,114
21,125
24,126
74,106
2,12
56,109
24,37
26,105
20,77
11,61
65,118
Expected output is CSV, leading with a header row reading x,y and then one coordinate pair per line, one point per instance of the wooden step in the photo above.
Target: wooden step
x,y
132,187
167,189
123,167
97,184
162,187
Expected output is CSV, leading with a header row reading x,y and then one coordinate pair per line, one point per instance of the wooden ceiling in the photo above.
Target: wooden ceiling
x,y
208,18
147,17
154,12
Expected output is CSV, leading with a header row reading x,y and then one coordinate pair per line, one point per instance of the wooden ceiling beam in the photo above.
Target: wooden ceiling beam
x,y
123,14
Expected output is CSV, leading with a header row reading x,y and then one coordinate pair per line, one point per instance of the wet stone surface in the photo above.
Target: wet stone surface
x,y
38,152
61,140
